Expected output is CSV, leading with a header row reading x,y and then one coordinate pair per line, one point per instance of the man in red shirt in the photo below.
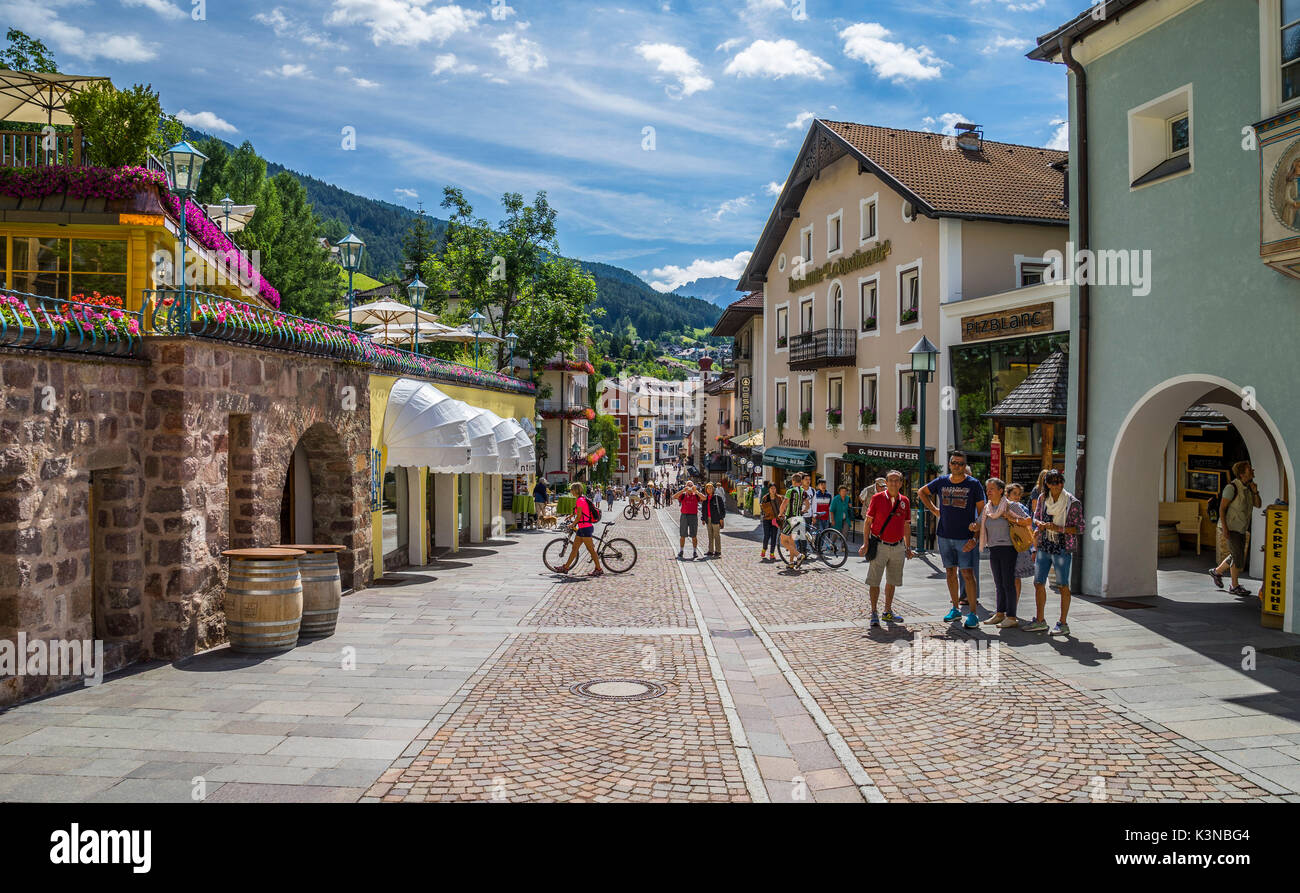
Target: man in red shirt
x,y
689,525
886,521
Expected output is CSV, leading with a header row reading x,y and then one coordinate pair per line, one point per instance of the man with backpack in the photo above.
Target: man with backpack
x,y
1239,497
586,512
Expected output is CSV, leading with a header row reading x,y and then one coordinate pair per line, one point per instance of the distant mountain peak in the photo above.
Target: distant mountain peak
x,y
717,290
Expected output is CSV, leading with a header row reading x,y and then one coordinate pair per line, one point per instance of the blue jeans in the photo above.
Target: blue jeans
x,y
1046,560
950,551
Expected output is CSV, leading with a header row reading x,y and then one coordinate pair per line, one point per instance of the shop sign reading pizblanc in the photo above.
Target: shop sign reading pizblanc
x,y
1037,318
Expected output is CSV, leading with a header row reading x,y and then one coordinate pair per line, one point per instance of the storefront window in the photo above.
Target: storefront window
x,y
394,510
62,268
984,374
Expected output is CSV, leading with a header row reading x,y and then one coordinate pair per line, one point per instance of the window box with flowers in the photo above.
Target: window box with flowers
x,y
869,324
908,316
780,423
906,420
866,417
805,421
782,341
834,418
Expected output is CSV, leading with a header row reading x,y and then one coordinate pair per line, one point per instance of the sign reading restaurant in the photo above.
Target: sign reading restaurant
x,y
1037,318
855,261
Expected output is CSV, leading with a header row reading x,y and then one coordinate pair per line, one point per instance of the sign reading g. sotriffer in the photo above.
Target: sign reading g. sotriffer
x,y
1022,320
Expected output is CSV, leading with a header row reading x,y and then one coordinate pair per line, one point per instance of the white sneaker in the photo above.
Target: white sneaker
x,y
1008,623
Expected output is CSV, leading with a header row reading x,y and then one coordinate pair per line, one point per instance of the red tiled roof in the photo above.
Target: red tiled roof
x,y
999,180
736,313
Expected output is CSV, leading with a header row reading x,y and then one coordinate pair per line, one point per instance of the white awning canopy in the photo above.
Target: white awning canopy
x,y
483,455
425,427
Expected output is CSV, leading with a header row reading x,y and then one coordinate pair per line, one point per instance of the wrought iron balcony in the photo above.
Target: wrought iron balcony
x,y
823,348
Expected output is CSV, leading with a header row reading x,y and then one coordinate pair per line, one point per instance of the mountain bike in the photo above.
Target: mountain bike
x,y
641,505
829,545
618,555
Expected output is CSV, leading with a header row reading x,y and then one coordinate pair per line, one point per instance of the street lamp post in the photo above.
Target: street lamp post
x,y
226,205
350,251
924,354
511,340
184,164
476,321
415,290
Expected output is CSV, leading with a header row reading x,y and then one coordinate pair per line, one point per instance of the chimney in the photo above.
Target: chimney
x,y
970,137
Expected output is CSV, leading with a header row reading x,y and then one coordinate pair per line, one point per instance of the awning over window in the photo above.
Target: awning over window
x,y
425,427
752,440
790,458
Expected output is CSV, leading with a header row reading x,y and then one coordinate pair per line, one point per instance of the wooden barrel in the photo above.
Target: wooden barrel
x,y
1168,545
322,589
263,600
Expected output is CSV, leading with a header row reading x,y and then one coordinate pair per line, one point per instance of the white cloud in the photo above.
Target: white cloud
x,y
288,71
728,45
342,69
732,206
501,11
800,121
947,122
41,20
206,121
1061,138
776,59
288,29
670,277
404,22
162,7
406,193
366,84
518,52
447,63
755,8
675,62
774,188
866,42
1014,5
1000,43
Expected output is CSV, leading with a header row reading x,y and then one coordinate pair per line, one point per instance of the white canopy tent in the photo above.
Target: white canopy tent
x,y
425,427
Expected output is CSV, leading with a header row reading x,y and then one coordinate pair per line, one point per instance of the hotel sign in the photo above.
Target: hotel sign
x,y
1020,321
855,261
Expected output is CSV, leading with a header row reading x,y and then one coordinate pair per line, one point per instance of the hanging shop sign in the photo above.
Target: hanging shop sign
x,y
862,451
1273,598
863,257
746,385
1020,321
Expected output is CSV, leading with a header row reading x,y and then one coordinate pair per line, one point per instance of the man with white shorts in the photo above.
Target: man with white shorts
x,y
886,522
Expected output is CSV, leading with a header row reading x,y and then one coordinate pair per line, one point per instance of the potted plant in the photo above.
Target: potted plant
x,y
866,417
908,315
869,324
780,423
805,422
834,418
906,419
782,340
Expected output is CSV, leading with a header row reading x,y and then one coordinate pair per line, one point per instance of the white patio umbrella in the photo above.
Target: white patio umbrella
x,y
385,313
464,334
240,215
405,332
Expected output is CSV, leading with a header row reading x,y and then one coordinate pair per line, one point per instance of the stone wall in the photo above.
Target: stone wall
x,y
122,481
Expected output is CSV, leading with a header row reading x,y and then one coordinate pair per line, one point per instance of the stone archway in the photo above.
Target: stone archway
x,y
1134,476
330,501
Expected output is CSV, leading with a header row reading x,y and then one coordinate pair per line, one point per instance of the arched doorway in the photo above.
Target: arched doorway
x,y
317,496
1136,476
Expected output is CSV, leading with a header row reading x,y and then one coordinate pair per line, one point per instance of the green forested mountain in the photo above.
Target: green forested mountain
x,y
382,225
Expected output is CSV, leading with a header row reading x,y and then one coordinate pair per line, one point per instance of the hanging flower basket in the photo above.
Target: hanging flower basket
x,y
805,421
906,419
834,418
780,423
867,417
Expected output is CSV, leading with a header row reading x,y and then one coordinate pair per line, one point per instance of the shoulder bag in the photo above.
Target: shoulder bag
x,y
873,541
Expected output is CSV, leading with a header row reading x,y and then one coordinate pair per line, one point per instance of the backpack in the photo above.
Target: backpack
x,y
594,509
1216,504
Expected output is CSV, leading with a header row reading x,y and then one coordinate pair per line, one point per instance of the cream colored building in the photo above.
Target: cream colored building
x,y
874,230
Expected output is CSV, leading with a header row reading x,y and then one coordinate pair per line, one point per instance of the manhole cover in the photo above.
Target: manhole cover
x,y
618,689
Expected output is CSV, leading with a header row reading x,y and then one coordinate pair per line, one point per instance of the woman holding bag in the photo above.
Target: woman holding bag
x,y
769,506
995,523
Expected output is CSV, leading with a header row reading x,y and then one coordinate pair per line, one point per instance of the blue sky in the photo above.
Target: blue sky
x,y
516,95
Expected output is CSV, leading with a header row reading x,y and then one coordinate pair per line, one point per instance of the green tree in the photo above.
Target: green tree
x,y
418,245
296,262
121,127
605,431
26,53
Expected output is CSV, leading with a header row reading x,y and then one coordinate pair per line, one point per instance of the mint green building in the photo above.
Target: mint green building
x,y
1185,226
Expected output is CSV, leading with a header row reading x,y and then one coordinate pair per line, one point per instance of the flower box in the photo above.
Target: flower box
x,y
907,316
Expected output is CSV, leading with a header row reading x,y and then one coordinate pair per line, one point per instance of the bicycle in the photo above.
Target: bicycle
x,y
641,505
829,545
618,555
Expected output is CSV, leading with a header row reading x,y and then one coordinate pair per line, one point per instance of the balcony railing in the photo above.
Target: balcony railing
x,y
823,348
37,322
33,148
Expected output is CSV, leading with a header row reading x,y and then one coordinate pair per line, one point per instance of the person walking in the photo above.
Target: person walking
x,y
1000,512
1240,495
821,508
769,509
715,509
793,521
584,528
842,512
886,521
1058,521
689,523
960,501
609,497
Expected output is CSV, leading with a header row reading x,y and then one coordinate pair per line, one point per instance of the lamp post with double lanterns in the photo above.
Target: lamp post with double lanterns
x,y
351,250
924,357
415,290
183,164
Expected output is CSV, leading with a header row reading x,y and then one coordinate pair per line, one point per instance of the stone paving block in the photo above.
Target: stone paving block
x,y
341,747
240,792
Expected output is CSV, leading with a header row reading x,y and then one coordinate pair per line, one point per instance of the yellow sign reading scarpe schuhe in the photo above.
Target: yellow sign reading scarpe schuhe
x,y
1273,596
